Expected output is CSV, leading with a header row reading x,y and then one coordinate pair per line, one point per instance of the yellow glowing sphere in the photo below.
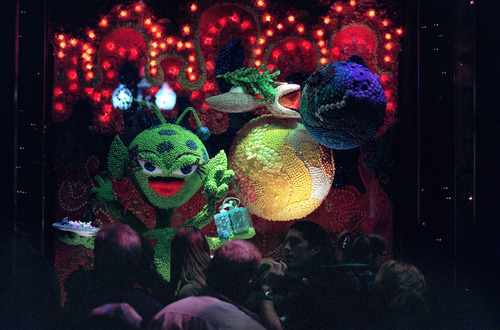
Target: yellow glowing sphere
x,y
281,172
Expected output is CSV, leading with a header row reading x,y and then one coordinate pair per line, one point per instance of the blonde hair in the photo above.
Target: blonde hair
x,y
190,255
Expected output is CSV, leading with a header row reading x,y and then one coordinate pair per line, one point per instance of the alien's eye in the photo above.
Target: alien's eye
x,y
186,170
148,167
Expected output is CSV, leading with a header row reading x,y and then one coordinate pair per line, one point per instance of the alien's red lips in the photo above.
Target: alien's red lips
x,y
166,186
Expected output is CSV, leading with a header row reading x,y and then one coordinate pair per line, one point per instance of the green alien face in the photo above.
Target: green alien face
x,y
166,165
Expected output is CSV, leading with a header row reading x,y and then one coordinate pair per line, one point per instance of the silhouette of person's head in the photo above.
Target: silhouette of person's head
x,y
117,250
190,255
359,248
307,245
400,288
397,279
232,269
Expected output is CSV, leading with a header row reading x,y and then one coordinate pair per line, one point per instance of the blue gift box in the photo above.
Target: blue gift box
x,y
232,218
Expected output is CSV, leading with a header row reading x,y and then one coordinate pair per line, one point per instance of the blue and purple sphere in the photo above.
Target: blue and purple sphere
x,y
343,105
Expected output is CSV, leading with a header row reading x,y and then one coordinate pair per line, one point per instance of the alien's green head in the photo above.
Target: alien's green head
x,y
165,163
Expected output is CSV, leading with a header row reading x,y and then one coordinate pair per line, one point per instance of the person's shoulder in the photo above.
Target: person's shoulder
x,y
181,312
145,304
194,304
80,282
204,312
224,315
191,288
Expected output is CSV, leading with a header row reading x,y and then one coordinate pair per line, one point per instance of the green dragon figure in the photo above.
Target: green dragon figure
x,y
167,164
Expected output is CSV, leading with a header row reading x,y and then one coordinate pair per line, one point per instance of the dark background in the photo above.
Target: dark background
x,y
445,143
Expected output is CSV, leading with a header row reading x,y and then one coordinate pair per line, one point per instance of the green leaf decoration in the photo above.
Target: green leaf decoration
x,y
252,81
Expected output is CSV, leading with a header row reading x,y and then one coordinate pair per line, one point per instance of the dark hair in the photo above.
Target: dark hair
x,y
400,288
190,255
357,247
398,278
234,264
117,250
317,238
